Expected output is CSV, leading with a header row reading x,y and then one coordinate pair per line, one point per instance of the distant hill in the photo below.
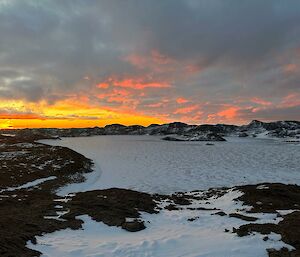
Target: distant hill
x,y
279,129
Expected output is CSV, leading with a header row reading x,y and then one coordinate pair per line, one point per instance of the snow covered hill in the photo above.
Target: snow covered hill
x,y
278,129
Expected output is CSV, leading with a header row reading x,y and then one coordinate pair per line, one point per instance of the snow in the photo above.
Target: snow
x,y
58,215
261,187
29,184
8,135
168,233
285,212
25,145
147,163
11,155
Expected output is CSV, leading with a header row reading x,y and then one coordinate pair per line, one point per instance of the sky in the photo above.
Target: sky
x,y
85,63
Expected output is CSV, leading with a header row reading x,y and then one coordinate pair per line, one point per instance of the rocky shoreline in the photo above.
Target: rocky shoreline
x,y
33,210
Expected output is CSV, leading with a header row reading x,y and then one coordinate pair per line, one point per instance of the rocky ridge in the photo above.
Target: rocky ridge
x,y
176,131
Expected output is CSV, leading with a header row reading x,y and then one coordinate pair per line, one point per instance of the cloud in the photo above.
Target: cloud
x,y
185,110
260,101
181,100
139,84
291,68
271,114
214,53
291,100
14,114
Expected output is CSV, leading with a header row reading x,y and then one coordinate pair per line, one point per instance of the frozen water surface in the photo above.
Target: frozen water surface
x,y
147,163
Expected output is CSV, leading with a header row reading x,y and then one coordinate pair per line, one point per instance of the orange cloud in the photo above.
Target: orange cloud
x,y
260,101
181,100
186,110
139,84
193,68
229,113
193,118
291,100
155,60
103,85
136,60
118,99
290,68
114,93
20,116
156,105
160,58
122,92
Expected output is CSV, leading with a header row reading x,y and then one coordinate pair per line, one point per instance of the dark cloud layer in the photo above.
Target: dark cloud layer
x,y
211,52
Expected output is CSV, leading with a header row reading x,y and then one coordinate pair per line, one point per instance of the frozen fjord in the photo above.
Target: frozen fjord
x,y
146,163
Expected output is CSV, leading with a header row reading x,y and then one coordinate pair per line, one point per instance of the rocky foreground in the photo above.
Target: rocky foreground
x,y
30,174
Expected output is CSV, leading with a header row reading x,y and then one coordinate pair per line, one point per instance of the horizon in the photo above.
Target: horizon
x,y
76,65
150,127
159,124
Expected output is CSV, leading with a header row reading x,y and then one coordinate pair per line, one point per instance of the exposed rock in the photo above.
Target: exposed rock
x,y
269,198
273,129
111,206
242,217
220,213
283,252
172,138
193,219
133,226
172,207
197,137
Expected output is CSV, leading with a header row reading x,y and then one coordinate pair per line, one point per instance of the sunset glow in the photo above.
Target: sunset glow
x,y
65,114
147,66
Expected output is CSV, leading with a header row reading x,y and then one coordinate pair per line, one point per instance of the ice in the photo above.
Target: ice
x,y
29,184
168,233
147,163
